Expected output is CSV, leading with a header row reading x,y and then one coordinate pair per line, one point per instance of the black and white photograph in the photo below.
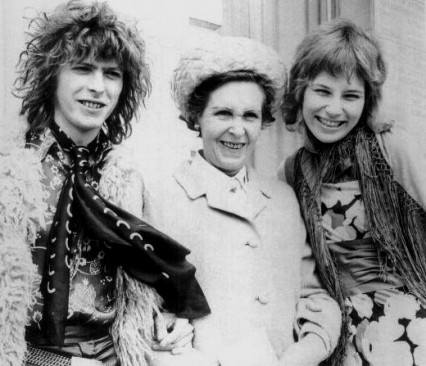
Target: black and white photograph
x,y
213,183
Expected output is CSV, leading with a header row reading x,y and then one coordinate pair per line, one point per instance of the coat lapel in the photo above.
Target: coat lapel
x,y
200,179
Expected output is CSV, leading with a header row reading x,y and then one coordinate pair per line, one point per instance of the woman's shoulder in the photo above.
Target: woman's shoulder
x,y
277,190
285,170
404,149
402,143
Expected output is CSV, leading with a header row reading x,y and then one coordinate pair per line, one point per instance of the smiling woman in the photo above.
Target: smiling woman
x,y
230,125
360,184
332,106
244,231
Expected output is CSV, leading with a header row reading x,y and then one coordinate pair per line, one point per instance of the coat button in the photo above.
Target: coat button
x,y
262,299
251,244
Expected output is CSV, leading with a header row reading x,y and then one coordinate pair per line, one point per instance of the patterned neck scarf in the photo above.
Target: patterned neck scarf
x,y
147,254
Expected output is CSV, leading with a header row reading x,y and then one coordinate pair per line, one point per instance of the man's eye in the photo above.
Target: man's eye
x,y
114,74
81,68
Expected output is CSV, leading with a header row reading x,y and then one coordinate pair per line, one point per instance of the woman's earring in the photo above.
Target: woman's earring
x,y
197,127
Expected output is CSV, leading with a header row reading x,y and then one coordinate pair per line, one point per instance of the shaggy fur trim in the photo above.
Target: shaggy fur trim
x,y
16,277
21,217
378,125
22,204
133,328
120,182
217,55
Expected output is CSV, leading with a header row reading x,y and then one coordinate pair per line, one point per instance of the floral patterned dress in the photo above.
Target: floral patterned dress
x,y
388,325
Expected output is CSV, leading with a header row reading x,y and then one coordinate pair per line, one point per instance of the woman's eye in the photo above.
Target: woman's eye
x,y
223,114
322,91
251,116
352,96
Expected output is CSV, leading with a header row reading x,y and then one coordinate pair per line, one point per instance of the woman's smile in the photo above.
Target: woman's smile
x,y
233,145
329,123
333,105
231,124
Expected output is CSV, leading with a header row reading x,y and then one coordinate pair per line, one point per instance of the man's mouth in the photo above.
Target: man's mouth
x,y
93,105
232,145
330,123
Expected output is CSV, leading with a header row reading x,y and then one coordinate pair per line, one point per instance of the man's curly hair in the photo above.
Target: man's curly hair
x,y
71,34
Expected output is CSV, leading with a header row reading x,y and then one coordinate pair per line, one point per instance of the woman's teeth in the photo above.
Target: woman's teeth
x,y
92,104
328,123
231,145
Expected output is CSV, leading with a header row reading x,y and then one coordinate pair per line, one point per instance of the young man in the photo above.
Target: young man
x,y
89,274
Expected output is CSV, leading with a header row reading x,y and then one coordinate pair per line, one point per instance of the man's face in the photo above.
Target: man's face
x,y
86,95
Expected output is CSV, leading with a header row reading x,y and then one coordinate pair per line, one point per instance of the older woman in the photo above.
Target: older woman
x,y
245,232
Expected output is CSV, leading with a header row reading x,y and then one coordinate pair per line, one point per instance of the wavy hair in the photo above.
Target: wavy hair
x,y
339,48
72,33
198,99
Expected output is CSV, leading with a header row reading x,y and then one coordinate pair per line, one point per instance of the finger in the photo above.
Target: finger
x,y
169,319
159,347
181,329
183,342
314,306
180,350
160,327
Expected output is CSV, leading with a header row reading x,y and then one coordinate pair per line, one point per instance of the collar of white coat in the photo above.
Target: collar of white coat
x,y
199,178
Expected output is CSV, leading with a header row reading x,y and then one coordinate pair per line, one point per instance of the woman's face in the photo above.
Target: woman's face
x,y
230,124
332,106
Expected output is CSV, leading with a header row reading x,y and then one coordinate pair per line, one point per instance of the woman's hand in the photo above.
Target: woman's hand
x,y
309,351
191,358
172,333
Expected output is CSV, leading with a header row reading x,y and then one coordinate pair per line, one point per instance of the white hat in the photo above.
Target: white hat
x,y
219,55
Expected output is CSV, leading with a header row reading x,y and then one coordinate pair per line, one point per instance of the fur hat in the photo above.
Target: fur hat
x,y
219,55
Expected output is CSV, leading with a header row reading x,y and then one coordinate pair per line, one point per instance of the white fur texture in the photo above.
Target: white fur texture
x,y
217,55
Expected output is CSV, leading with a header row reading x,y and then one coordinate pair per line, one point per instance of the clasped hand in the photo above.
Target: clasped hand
x,y
172,333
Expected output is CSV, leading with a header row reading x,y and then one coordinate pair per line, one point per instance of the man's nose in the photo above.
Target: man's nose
x,y
97,82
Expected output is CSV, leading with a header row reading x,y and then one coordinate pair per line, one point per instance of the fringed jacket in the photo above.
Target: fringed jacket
x,y
22,215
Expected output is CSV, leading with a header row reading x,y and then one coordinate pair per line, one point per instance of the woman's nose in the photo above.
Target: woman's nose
x,y
237,127
334,107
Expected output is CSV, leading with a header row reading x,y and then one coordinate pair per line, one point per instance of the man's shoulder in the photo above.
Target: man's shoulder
x,y
21,190
20,163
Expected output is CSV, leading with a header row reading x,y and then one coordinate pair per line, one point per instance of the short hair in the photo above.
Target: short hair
x,y
199,98
339,48
71,34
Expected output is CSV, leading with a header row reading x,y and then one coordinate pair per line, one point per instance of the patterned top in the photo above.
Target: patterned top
x,y
92,270
347,233
343,214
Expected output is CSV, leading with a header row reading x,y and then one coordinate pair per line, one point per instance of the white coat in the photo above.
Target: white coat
x,y
251,256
